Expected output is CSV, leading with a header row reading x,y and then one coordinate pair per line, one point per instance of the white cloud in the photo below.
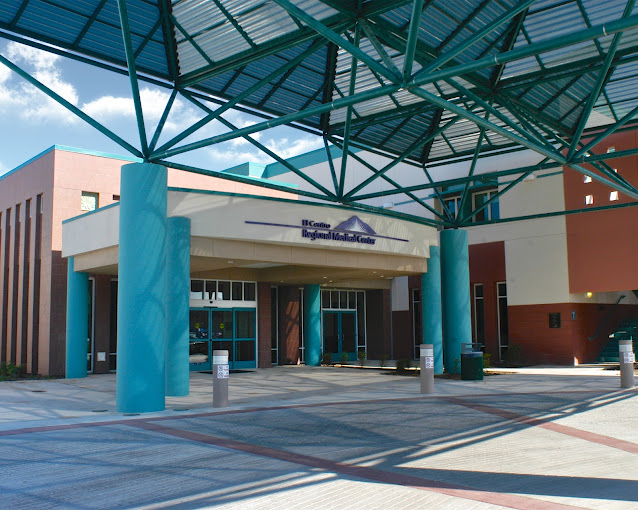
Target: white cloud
x,y
19,98
283,147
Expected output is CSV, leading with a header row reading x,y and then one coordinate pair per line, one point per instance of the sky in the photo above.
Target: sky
x,y
31,122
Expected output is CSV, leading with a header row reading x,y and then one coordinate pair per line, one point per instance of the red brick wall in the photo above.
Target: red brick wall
x,y
529,328
264,319
602,245
402,334
378,323
487,266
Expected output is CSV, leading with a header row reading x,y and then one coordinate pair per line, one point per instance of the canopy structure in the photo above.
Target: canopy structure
x,y
422,82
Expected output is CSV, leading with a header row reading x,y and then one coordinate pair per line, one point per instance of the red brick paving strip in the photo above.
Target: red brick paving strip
x,y
619,444
363,472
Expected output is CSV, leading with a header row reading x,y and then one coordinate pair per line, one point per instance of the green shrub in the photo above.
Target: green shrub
x,y
362,357
403,364
344,357
9,371
383,360
327,358
487,360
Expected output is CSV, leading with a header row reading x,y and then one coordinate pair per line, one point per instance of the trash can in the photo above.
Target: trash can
x,y
472,366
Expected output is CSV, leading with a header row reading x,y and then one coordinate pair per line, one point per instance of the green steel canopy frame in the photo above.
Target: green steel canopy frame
x,y
423,82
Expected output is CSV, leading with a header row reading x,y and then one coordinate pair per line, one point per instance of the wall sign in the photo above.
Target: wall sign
x,y
352,230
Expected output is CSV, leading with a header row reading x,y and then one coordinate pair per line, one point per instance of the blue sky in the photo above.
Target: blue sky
x,y
30,122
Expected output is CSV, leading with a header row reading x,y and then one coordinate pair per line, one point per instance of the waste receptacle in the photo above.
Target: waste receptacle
x,y
472,366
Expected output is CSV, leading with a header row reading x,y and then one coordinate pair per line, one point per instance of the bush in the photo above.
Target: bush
x,y
487,360
344,357
403,364
362,357
383,360
327,358
513,355
9,371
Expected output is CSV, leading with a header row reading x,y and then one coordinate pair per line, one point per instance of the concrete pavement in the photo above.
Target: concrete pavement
x,y
304,437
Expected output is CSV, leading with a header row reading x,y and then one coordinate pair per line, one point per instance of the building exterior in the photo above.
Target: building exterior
x,y
544,290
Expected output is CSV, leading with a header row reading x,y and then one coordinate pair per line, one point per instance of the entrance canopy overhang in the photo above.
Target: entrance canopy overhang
x,y
422,82
273,240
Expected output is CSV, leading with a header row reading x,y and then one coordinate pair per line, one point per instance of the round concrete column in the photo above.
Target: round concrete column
x,y
141,307
431,307
312,324
455,287
178,254
77,321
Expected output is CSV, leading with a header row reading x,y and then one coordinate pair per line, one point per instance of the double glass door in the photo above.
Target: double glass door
x,y
340,335
231,329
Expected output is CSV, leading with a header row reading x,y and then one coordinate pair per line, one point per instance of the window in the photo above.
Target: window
x,y
503,324
611,149
452,204
589,199
613,196
116,198
89,201
587,179
219,290
490,212
479,314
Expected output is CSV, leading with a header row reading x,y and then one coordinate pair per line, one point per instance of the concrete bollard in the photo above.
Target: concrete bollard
x,y
625,349
220,378
427,368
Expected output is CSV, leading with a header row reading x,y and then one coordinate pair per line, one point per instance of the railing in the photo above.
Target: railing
x,y
607,317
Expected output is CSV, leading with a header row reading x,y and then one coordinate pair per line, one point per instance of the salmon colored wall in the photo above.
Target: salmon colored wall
x,y
487,266
529,329
602,245
402,334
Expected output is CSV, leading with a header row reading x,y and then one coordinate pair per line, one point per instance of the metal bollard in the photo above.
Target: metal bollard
x,y
427,368
220,378
625,350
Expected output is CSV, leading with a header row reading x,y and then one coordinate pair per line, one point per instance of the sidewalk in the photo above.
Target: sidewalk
x,y
305,437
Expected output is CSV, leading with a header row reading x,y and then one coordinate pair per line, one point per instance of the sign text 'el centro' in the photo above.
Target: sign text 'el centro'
x,y
312,232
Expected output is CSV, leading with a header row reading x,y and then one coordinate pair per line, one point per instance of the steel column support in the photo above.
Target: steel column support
x,y
312,324
431,314
77,329
455,296
178,264
132,72
141,306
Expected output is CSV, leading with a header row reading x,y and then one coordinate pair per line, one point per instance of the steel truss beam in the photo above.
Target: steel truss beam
x,y
72,108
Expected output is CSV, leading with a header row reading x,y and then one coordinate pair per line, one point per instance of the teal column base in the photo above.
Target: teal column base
x,y
431,307
141,307
178,255
455,293
312,325
77,322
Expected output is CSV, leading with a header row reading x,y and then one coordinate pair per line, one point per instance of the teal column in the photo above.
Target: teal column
x,y
312,324
178,256
455,287
141,307
431,307
77,321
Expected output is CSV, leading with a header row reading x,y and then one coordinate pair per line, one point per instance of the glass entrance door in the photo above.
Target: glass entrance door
x,y
199,342
340,334
231,329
